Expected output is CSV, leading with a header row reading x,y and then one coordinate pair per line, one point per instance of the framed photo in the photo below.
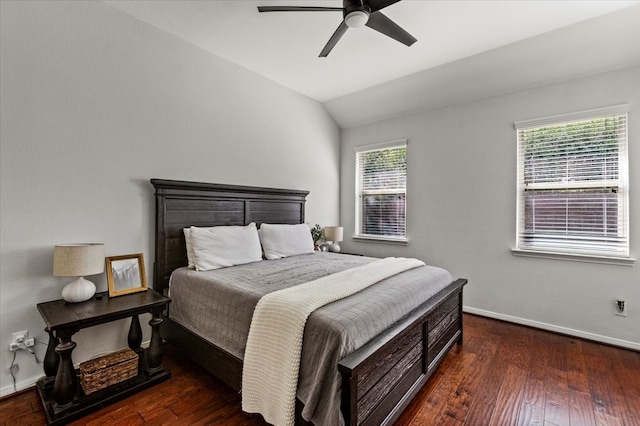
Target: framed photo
x,y
126,274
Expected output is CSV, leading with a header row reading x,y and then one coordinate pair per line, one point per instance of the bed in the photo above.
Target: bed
x,y
379,378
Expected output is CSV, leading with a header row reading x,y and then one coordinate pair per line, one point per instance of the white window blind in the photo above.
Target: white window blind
x,y
381,187
573,184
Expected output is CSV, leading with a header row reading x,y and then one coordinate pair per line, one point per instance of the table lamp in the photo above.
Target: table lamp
x,y
78,260
333,234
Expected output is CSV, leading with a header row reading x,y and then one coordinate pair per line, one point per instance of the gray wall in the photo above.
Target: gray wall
x,y
95,103
462,208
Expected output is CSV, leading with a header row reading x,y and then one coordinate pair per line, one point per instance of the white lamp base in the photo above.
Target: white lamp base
x,y
79,290
334,248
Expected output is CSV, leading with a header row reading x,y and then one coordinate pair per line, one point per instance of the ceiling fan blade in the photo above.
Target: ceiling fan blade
x,y
298,9
376,5
386,26
342,28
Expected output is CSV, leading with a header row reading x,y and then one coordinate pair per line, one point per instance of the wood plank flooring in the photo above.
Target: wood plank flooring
x,y
504,374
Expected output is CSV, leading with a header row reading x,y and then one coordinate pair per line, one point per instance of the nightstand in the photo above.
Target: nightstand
x,y
61,395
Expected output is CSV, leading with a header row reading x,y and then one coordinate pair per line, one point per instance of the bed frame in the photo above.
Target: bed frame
x,y
378,380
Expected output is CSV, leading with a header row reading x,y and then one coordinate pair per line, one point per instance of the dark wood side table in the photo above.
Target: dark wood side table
x,y
60,393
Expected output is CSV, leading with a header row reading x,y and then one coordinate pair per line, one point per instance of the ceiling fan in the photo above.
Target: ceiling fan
x,y
356,13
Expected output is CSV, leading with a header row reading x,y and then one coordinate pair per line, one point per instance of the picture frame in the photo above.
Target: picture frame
x,y
126,274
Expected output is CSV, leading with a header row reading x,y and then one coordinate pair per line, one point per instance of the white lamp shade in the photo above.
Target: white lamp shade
x,y
333,233
78,260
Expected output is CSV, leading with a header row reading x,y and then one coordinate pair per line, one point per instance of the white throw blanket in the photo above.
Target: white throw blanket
x,y
274,345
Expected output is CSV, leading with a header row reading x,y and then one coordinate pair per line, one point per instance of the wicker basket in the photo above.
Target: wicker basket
x,y
108,370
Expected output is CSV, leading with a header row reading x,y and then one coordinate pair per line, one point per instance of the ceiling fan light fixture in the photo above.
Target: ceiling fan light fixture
x,y
356,19
356,14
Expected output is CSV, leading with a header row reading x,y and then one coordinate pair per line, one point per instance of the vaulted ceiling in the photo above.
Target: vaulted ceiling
x,y
284,47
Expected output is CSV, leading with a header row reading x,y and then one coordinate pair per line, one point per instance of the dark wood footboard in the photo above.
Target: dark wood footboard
x,y
381,378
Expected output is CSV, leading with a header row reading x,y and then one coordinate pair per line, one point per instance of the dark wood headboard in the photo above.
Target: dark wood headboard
x,y
181,204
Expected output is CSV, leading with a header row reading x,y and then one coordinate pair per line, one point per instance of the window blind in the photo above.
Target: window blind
x,y
381,186
572,185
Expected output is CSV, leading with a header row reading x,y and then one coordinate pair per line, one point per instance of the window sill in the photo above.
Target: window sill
x,y
610,260
384,240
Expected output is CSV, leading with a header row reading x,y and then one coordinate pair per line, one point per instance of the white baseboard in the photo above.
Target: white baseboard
x,y
21,385
555,328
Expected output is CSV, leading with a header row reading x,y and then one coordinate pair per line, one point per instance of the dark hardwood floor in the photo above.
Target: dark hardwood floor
x,y
504,374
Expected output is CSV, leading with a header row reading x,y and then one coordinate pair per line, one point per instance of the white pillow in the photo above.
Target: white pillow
x,y
285,240
223,246
187,239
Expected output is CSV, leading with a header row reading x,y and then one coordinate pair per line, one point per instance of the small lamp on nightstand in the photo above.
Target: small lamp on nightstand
x,y
333,234
78,260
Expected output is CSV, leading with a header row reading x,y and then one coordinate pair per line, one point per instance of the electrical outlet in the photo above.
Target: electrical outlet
x,y
20,337
620,307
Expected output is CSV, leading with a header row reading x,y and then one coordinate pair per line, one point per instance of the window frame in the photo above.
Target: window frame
x,y
358,233
621,183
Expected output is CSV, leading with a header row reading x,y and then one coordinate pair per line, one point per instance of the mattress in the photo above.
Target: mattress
x,y
218,305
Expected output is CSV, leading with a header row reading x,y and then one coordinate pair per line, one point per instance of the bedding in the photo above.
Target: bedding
x,y
218,305
187,242
272,355
280,241
223,246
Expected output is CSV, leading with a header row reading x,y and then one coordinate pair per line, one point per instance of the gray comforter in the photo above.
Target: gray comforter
x,y
218,305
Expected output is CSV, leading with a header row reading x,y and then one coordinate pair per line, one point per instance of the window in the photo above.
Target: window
x,y
381,188
572,184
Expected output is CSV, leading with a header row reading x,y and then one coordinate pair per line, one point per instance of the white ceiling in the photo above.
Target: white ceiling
x,y
284,47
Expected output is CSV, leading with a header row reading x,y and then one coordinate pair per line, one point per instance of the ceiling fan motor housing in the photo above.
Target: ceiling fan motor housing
x,y
356,13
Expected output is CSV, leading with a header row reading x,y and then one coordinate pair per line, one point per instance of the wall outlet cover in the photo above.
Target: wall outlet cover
x,y
616,308
19,336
